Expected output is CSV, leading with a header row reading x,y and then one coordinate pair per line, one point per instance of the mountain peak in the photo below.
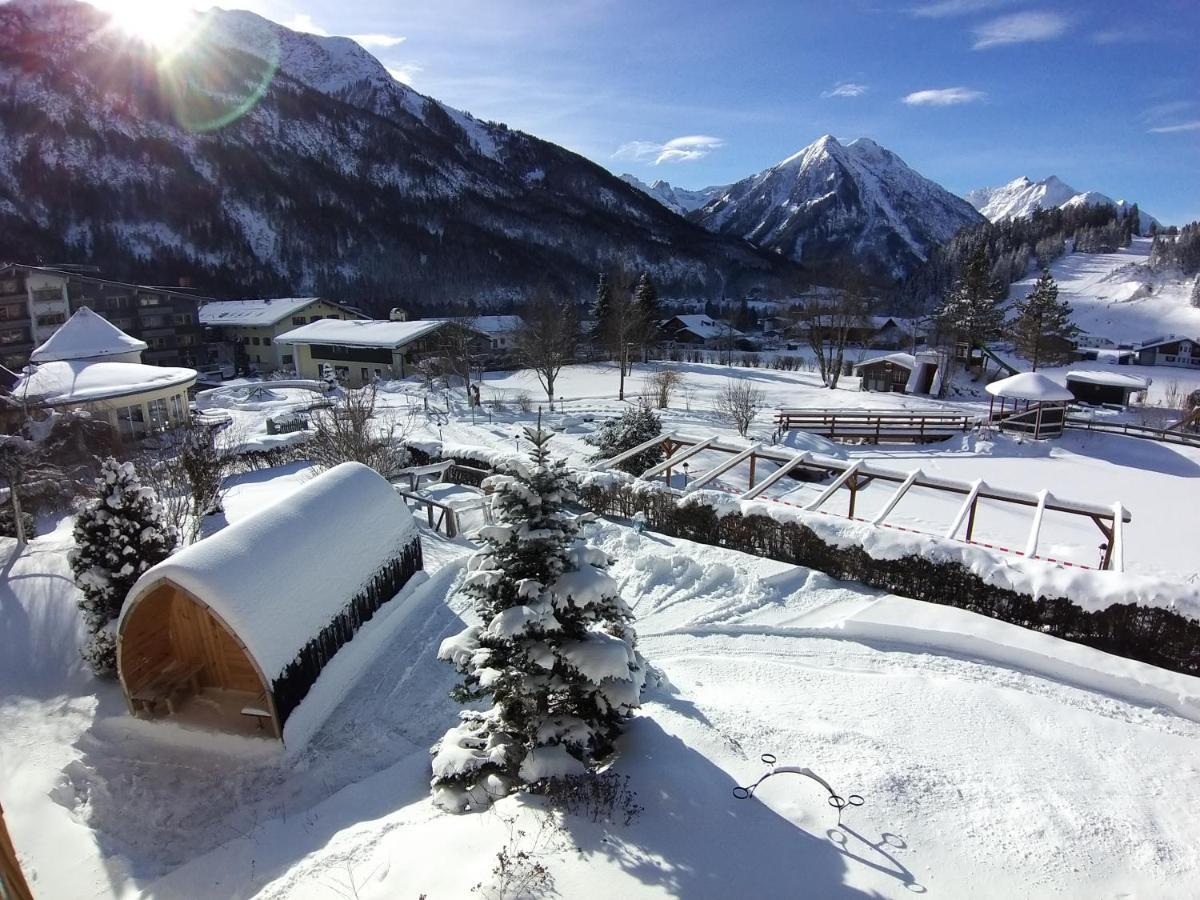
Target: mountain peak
x,y
1020,197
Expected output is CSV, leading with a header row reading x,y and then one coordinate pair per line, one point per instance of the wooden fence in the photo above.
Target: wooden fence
x,y
874,425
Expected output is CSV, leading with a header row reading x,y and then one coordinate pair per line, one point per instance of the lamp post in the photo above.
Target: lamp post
x,y
685,475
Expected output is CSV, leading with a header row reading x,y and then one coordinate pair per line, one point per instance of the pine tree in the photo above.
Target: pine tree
x,y
602,310
1196,293
973,311
1042,330
554,652
635,426
118,536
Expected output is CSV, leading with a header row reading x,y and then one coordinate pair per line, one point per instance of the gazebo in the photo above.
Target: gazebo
x,y
234,632
1038,405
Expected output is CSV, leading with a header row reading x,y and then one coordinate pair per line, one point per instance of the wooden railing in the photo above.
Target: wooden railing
x,y
1166,435
875,425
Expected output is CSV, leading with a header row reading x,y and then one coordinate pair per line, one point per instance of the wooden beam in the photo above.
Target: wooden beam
x,y
632,451
1035,529
720,469
686,453
972,495
797,460
837,483
1115,560
896,497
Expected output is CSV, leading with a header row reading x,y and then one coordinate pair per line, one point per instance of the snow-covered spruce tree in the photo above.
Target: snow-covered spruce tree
x,y
635,426
118,536
1042,330
554,652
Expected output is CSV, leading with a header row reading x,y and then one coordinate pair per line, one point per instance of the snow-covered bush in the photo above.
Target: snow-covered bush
x,y
118,536
554,652
635,426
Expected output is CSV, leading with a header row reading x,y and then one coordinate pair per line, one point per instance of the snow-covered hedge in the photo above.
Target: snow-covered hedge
x,y
1133,616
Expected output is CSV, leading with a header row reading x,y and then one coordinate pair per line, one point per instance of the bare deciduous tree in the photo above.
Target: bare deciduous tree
x,y
828,323
662,384
548,336
351,431
739,402
460,347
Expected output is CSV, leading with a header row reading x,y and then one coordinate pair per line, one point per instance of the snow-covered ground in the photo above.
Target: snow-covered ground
x,y
994,761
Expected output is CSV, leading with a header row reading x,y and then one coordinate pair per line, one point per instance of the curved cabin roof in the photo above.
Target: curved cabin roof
x,y
280,576
65,381
1031,386
86,335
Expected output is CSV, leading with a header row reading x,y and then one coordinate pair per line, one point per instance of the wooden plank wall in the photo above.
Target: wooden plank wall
x,y
145,640
197,636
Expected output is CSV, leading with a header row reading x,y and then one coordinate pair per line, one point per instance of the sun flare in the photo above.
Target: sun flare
x,y
165,24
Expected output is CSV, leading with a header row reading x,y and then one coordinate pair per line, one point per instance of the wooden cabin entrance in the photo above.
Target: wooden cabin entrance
x,y
177,659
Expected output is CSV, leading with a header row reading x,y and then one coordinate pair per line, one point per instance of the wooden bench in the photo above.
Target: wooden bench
x,y
165,686
259,712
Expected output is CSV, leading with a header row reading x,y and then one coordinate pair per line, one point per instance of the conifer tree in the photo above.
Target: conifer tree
x,y
647,312
602,310
554,651
118,536
635,426
1196,293
973,311
1042,330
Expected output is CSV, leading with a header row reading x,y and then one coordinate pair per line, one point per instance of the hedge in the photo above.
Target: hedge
x,y
1152,635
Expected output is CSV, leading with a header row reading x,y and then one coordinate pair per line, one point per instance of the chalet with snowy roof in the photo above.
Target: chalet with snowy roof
x,y
252,326
90,363
1100,387
1171,350
360,351
903,373
701,331
500,331
257,629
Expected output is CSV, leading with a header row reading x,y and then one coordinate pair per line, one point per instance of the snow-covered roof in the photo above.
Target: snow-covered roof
x,y
705,326
1032,386
360,332
86,335
1110,379
279,576
68,381
253,312
493,324
1166,339
907,360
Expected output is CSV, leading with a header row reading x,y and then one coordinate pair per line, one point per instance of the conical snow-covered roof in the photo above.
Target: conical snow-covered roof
x,y
86,335
1032,386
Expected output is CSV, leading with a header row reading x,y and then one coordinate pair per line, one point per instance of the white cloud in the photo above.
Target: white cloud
x,y
943,97
376,40
680,149
304,22
845,89
404,72
943,8
1181,126
1020,28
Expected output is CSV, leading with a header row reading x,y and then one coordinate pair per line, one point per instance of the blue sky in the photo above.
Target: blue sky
x,y
1104,94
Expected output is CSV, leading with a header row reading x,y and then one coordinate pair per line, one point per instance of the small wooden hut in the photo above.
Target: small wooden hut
x,y
1097,387
1038,405
233,632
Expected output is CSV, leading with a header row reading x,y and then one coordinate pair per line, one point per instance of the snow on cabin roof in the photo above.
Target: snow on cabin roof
x,y
1110,379
1166,339
361,332
907,360
705,326
279,576
492,324
253,312
1032,386
66,381
86,335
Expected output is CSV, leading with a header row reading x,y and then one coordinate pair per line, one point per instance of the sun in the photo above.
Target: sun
x,y
164,24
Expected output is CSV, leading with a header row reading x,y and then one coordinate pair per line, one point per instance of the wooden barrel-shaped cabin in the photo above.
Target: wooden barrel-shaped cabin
x,y
233,632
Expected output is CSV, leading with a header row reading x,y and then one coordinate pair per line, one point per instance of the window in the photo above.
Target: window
x,y
119,302
158,415
177,408
42,295
186,340
298,320
152,322
266,342
10,286
365,376
183,319
149,300
131,422
13,336
255,341
287,359
52,319
341,371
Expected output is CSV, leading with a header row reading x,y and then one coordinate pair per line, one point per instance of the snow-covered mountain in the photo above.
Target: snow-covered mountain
x,y
832,203
676,199
263,160
1021,197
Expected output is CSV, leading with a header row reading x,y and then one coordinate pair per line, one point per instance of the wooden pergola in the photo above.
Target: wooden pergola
x,y
854,475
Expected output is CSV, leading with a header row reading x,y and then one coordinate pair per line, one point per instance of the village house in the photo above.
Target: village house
x,y
903,373
702,331
165,319
90,363
1171,350
250,327
361,350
